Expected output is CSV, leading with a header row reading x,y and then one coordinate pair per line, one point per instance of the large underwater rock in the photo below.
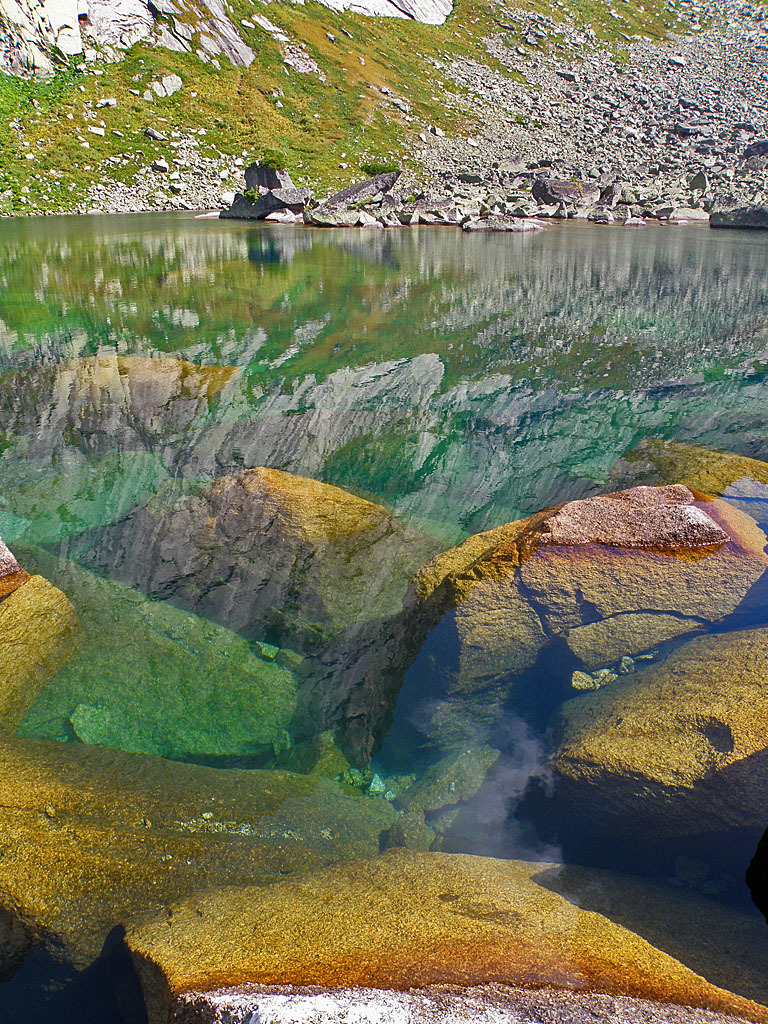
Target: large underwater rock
x,y
678,750
267,553
709,470
500,623
151,678
91,836
405,920
39,633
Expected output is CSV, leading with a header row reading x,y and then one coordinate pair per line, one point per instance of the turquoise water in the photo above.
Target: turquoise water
x,y
459,383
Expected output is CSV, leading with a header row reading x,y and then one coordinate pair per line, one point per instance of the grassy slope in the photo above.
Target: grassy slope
x,y
317,124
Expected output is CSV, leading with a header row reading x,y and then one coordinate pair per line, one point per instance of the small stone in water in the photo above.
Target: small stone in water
x,y
377,785
626,665
583,681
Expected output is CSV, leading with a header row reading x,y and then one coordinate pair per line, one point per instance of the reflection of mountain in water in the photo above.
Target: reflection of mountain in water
x,y
463,380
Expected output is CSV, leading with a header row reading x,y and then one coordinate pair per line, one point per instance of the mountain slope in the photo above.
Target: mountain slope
x,y
331,94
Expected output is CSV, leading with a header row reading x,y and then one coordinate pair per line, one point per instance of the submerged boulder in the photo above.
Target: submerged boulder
x,y
266,553
92,836
39,633
407,920
154,679
501,622
676,752
710,470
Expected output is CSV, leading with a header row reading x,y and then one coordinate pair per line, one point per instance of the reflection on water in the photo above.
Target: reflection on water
x,y
231,448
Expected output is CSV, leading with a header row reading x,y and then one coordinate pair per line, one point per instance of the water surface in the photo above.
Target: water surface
x,y
460,382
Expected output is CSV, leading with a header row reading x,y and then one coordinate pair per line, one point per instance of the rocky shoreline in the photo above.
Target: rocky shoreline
x,y
672,134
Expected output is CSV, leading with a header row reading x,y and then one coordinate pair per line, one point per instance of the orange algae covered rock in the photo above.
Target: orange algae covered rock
x,y
406,920
91,836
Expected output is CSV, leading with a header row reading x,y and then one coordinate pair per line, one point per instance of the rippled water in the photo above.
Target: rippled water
x,y
461,382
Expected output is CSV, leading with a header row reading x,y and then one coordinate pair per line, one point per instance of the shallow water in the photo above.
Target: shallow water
x,y
462,382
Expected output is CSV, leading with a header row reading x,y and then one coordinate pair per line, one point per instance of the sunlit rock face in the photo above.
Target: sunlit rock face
x,y
33,29
405,920
92,836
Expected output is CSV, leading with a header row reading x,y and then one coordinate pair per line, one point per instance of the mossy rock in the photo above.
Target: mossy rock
x,y
407,919
318,756
91,836
151,678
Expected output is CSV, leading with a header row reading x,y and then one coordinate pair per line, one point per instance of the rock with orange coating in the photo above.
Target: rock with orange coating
x,y
676,751
405,920
91,836
503,620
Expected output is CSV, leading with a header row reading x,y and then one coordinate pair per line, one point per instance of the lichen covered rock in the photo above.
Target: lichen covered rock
x,y
672,752
405,920
91,836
